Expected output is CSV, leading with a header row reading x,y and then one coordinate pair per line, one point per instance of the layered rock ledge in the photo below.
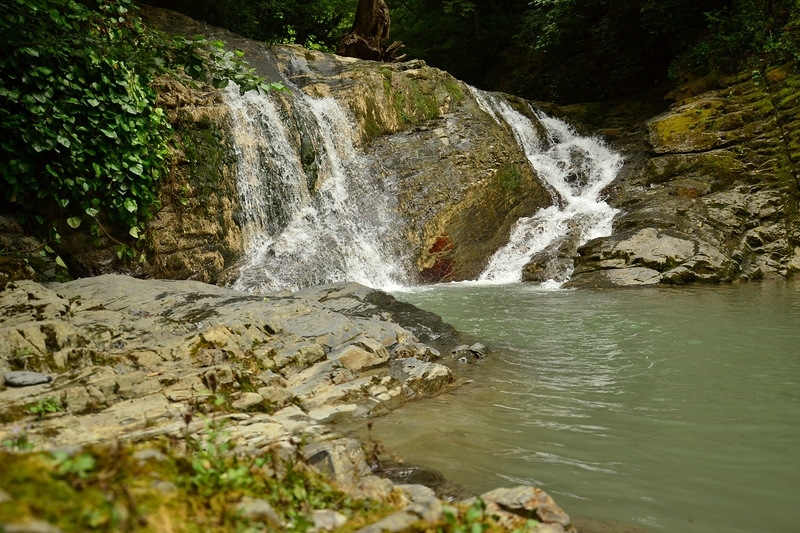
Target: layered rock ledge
x,y
709,191
114,360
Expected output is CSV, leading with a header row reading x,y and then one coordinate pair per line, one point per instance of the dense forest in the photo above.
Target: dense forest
x,y
557,50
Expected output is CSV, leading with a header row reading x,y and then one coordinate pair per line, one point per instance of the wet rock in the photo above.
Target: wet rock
x,y
468,354
515,506
416,492
478,350
21,378
715,173
420,377
341,459
412,475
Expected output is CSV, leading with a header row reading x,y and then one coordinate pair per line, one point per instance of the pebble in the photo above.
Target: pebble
x,y
23,378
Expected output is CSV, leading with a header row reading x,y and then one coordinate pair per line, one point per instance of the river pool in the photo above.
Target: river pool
x,y
659,409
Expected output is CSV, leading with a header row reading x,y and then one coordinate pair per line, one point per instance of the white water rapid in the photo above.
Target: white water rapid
x,y
576,169
311,214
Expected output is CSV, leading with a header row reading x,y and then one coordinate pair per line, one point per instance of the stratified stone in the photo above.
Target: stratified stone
x,y
247,400
355,358
514,506
341,459
421,377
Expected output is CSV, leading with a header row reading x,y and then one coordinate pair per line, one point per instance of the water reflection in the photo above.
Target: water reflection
x,y
660,407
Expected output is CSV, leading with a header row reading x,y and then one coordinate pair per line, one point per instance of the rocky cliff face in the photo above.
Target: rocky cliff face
x,y
709,192
461,178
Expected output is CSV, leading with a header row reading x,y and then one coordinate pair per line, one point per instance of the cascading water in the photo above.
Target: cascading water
x,y
576,169
311,215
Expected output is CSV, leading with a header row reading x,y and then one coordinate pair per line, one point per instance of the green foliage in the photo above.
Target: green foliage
x,y
77,467
474,520
598,49
743,33
463,37
214,470
18,440
46,406
81,137
317,24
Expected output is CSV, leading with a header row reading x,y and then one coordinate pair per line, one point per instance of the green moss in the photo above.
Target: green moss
x,y
509,176
677,126
387,80
113,489
453,88
399,104
208,151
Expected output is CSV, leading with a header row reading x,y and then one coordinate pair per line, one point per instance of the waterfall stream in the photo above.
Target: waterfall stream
x,y
576,169
311,214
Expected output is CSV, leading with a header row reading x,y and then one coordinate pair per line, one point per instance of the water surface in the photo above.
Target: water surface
x,y
672,409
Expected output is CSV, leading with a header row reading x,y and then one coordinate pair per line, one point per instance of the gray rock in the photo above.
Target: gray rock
x,y
420,377
22,378
478,350
416,492
327,520
354,357
247,400
258,510
426,511
514,506
341,459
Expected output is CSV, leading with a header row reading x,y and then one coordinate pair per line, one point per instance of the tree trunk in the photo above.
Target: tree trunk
x,y
370,32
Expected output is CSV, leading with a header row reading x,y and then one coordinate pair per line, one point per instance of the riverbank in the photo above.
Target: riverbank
x,y
176,372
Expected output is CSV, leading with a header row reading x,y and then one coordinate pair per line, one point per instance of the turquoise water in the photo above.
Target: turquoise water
x,y
664,409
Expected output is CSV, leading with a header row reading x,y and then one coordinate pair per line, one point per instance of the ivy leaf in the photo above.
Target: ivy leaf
x,y
134,232
91,211
74,222
60,262
130,205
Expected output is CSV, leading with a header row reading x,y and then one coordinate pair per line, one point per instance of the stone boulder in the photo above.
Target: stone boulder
x,y
709,191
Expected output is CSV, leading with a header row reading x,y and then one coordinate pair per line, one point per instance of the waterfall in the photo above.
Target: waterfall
x,y
576,170
311,214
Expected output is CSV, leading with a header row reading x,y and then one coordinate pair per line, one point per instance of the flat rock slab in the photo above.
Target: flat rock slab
x,y
22,378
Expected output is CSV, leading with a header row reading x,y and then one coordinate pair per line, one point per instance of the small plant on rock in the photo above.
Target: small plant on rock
x,y
18,440
46,406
